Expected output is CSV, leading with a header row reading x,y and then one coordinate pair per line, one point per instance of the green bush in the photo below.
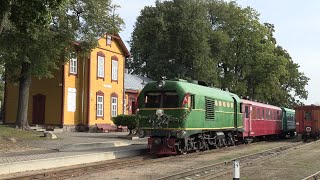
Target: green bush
x,y
131,121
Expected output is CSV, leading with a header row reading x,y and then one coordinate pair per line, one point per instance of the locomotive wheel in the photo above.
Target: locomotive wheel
x,y
231,141
182,149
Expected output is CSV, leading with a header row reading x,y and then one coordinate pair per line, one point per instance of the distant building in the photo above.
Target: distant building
x,y
133,84
85,91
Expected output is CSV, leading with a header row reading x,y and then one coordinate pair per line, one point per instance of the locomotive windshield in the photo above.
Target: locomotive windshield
x,y
161,100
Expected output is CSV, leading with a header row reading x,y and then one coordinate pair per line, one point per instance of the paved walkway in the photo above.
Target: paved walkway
x,y
74,144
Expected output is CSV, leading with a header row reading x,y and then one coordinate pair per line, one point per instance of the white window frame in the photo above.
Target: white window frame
x,y
73,65
114,72
99,64
109,40
100,106
114,106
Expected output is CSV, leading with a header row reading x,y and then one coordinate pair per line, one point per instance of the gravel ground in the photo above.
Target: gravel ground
x,y
7,146
297,164
181,163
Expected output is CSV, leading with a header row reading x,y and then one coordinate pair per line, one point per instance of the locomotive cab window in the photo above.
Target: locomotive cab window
x,y
161,100
153,100
170,100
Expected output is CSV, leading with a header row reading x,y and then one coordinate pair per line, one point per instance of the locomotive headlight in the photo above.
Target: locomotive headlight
x,y
159,112
308,129
160,84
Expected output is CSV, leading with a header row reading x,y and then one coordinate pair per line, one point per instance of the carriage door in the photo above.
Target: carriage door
x,y
247,118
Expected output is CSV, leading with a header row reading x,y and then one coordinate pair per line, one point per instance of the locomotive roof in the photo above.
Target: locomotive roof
x,y
260,104
192,88
288,110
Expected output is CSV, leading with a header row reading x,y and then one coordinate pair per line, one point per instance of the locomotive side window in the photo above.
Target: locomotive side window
x,y
170,100
193,104
308,116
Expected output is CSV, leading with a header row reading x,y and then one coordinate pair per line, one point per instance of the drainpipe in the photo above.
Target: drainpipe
x,y
123,88
82,92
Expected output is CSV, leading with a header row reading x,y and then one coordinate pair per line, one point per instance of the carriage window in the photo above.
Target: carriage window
x,y
247,111
254,113
259,114
170,100
153,100
262,116
270,114
308,115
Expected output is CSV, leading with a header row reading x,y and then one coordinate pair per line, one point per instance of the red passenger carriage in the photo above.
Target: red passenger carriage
x,y
260,120
308,121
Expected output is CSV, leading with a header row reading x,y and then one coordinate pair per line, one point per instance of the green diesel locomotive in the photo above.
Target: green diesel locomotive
x,y
182,116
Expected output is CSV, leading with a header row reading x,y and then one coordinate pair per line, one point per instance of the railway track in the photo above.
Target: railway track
x,y
223,168
79,170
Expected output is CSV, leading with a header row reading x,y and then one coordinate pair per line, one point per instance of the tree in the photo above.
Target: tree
x,y
40,42
250,62
237,52
171,39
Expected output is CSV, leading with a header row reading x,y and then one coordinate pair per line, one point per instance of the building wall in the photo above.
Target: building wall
x,y
106,85
79,82
51,88
56,90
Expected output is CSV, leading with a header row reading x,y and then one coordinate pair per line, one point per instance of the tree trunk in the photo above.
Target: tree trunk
x,y
24,86
4,19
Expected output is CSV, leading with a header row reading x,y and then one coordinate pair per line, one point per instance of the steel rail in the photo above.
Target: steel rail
x,y
78,170
223,168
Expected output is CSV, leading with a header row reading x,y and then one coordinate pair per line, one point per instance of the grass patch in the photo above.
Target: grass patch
x,y
7,132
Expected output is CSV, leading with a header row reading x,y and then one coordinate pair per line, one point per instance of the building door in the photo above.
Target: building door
x,y
38,113
132,105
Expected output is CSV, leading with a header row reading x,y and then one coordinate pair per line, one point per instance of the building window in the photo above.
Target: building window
x,y
114,106
100,65
72,99
100,104
73,65
114,68
109,40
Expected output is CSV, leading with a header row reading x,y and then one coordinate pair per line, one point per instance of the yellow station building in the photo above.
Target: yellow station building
x,y
85,91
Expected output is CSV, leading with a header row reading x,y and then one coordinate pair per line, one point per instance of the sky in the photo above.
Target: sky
x,y
297,25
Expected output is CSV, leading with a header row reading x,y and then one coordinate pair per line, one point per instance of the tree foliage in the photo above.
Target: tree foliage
x,y
219,42
38,36
171,39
